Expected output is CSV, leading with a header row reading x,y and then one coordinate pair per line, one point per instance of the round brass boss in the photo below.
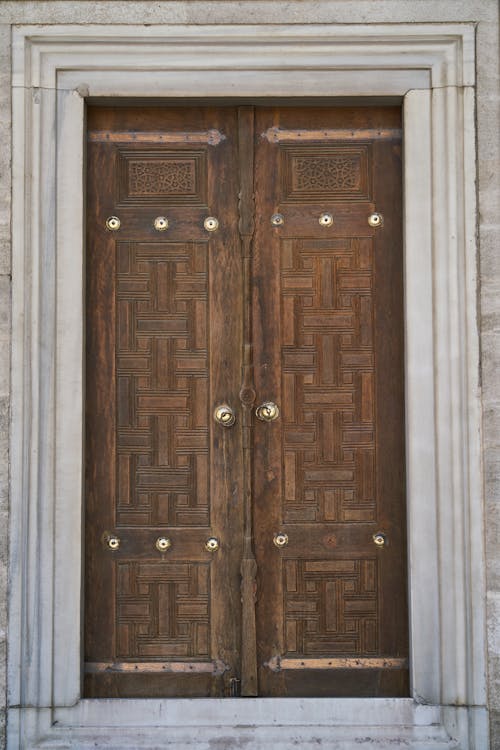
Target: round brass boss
x,y
113,223
163,543
113,542
326,220
280,539
212,544
379,539
160,223
375,220
211,224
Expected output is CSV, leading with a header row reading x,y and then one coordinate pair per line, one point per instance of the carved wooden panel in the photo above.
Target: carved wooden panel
x,y
329,349
331,607
163,611
306,315
161,621
162,384
162,177
325,173
327,358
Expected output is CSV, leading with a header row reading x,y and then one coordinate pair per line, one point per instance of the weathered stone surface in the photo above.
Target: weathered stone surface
x,y
4,423
493,601
495,730
5,157
485,13
246,11
4,337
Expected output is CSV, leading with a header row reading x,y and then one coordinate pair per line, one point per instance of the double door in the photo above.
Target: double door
x,y
245,509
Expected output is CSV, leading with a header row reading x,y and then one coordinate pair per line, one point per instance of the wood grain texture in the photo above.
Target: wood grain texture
x,y
156,367
329,350
180,321
248,569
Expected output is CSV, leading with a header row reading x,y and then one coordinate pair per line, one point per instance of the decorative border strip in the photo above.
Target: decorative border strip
x,y
429,66
278,663
213,667
212,137
278,135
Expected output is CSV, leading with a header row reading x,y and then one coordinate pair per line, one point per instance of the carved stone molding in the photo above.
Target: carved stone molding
x,y
431,69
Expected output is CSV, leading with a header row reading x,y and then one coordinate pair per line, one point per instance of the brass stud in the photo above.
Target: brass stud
x,y
113,223
375,220
212,544
160,223
113,542
163,543
211,224
277,220
379,539
280,540
326,220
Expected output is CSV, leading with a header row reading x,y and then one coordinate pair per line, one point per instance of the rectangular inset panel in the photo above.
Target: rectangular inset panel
x,y
327,363
162,375
167,178
163,610
331,607
325,173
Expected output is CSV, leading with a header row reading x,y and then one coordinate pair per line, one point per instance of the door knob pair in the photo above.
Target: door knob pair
x,y
266,412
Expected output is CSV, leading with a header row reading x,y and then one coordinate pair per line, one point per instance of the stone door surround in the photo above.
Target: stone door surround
x,y
430,68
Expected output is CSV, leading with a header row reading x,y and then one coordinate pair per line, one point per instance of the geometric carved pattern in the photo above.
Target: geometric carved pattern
x,y
163,610
327,361
161,177
162,384
176,178
331,607
335,173
325,173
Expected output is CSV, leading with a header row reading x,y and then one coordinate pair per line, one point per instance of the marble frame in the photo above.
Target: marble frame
x,y
430,68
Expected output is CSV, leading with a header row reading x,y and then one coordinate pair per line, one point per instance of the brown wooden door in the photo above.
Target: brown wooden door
x,y
161,343
328,337
181,319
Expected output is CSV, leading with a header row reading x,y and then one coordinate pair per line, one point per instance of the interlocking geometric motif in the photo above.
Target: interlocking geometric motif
x,y
331,607
334,173
162,384
163,610
162,178
327,360
325,173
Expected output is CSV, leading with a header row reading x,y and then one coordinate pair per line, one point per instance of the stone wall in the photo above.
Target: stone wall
x,y
485,14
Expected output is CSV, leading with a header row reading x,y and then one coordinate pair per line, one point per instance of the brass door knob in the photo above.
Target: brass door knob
x,y
268,411
224,415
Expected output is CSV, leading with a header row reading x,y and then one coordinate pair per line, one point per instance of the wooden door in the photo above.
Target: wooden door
x,y
273,305
328,337
161,343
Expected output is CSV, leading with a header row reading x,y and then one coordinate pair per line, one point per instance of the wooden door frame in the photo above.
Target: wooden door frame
x,y
430,68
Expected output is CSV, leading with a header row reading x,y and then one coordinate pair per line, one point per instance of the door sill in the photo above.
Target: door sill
x,y
252,723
